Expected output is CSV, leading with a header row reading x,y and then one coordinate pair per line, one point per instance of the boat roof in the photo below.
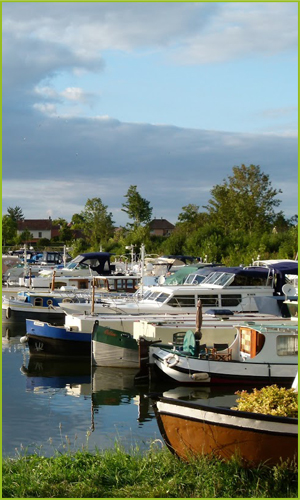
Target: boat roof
x,y
262,328
280,267
96,255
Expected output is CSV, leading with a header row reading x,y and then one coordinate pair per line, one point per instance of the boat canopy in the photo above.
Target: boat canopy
x,y
97,261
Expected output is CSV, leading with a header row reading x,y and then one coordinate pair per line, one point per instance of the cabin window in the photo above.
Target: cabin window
x,y
49,302
153,295
287,345
162,297
82,285
224,279
38,301
240,280
230,300
40,234
209,300
182,301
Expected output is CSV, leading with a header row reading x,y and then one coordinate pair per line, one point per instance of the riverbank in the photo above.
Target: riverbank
x,y
156,474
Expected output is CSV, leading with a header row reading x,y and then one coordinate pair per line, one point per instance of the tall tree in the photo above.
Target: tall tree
x,y
245,201
98,223
137,208
15,213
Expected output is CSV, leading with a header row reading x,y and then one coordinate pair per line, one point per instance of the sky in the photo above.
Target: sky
x,y
168,97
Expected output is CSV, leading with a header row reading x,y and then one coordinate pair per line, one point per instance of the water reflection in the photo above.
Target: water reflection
x,y
50,394
103,385
43,373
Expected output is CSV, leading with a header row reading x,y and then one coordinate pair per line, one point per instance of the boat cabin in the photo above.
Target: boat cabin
x,y
275,343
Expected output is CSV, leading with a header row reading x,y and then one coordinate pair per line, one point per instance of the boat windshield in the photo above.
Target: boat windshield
x,y
220,279
193,279
224,279
158,296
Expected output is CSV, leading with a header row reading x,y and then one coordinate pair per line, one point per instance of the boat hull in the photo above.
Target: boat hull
x,y
49,340
190,429
111,347
13,314
202,372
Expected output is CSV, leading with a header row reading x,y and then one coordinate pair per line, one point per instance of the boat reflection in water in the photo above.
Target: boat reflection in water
x,y
103,385
116,386
13,330
44,373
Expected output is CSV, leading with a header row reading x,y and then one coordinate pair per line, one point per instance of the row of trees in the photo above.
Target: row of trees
x,y
238,223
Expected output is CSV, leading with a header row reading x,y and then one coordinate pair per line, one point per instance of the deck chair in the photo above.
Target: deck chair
x,y
222,356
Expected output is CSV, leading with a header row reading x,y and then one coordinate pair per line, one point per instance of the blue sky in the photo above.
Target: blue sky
x,y
166,96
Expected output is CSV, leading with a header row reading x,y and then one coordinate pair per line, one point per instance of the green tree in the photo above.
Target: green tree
x,y
65,231
136,207
244,202
189,214
25,237
15,213
98,223
9,230
77,221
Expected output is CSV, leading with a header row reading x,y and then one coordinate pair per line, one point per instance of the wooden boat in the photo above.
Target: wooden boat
x,y
189,428
265,354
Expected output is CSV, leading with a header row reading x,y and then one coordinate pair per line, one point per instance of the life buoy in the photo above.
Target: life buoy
x,y
169,357
8,313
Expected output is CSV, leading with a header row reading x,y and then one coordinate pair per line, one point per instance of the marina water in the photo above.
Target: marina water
x,y
51,405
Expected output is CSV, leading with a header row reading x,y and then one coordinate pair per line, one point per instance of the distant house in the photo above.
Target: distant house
x,y
39,228
161,227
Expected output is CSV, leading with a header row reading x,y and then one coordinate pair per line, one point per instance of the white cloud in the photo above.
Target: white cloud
x,y
73,94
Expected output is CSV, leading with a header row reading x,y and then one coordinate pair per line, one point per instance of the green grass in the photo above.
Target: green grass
x,y
157,474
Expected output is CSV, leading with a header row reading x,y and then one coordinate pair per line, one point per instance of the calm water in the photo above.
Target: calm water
x,y
49,405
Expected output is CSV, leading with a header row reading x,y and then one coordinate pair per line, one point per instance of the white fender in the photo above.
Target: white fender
x,y
8,313
168,362
200,376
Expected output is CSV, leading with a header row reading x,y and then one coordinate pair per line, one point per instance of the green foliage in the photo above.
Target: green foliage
x,y
24,237
15,213
270,400
245,201
136,207
9,230
65,231
156,474
98,223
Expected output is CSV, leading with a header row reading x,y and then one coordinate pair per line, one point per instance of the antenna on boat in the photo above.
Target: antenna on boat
x,y
142,266
65,256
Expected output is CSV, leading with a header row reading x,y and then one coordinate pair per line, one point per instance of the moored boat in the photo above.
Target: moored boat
x,y
260,353
49,340
113,348
191,428
230,288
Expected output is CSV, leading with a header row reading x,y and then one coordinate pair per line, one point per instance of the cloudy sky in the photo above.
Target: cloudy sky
x,y
165,96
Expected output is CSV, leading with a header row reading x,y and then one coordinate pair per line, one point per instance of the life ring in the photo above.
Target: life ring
x,y
169,363
8,313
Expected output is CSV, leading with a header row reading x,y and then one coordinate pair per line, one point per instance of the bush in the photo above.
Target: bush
x,y
270,400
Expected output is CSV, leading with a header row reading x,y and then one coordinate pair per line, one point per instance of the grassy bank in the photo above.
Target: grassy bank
x,y
158,474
